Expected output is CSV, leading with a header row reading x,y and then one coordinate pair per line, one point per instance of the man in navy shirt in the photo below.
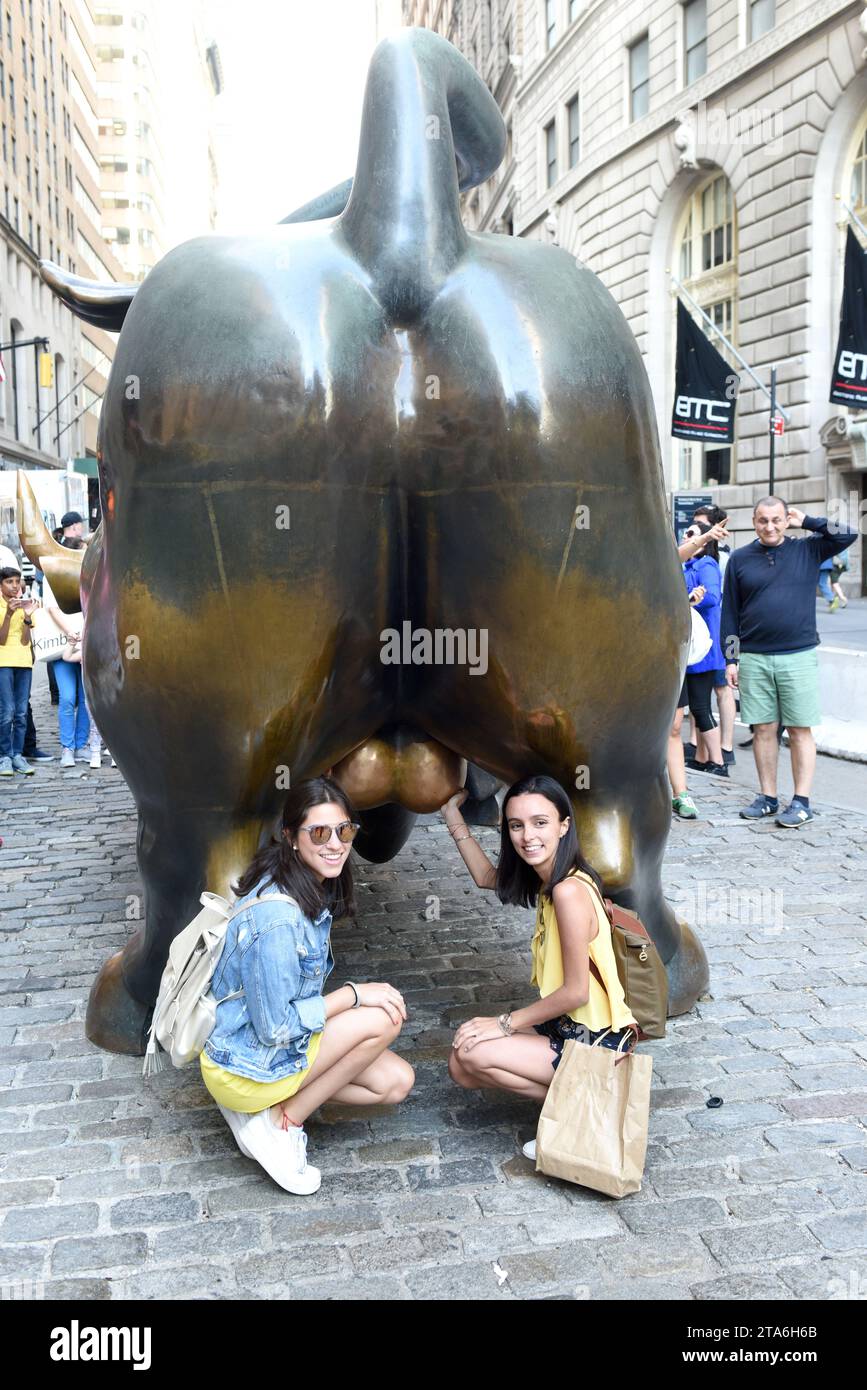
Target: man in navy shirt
x,y
769,641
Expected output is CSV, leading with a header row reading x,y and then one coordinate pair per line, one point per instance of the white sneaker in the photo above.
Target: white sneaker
x,y
96,758
67,758
282,1154
529,1150
82,754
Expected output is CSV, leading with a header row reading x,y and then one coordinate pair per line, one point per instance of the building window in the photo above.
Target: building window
x,y
639,79
762,18
573,112
575,8
550,154
717,224
550,23
694,40
26,114
708,272
858,185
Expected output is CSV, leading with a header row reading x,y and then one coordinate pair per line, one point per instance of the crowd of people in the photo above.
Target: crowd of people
x,y
759,604
79,737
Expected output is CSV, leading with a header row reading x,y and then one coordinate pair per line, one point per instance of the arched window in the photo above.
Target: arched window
x,y
858,178
707,245
59,441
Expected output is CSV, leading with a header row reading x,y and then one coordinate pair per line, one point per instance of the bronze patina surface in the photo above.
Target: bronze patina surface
x,y
317,434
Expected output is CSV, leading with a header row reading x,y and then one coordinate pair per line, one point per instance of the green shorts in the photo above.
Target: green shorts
x,y
780,689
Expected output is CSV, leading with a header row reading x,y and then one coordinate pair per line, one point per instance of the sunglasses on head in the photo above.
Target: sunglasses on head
x,y
321,834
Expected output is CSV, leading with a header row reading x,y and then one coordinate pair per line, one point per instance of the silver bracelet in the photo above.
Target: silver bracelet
x,y
457,838
351,986
505,1022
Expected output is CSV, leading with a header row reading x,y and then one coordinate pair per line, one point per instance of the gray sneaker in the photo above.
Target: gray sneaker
x,y
6,767
67,758
794,816
759,809
20,764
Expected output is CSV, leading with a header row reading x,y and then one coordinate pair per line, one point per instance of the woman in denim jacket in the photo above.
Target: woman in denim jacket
x,y
280,1047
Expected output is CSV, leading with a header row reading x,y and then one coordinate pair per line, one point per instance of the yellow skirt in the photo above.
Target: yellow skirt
x,y
242,1094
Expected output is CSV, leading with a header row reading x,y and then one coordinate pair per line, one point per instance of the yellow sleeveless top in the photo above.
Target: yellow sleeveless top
x,y
548,966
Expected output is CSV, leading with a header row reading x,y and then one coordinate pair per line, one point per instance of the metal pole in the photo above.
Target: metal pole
x,y
773,419
854,216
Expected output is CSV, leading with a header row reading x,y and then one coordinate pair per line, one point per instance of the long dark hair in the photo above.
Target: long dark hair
x,y
517,882
711,548
279,862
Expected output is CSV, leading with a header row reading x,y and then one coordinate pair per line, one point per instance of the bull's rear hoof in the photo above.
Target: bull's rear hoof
x,y
115,1021
688,973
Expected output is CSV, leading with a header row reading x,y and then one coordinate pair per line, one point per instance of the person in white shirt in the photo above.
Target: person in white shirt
x,y
72,713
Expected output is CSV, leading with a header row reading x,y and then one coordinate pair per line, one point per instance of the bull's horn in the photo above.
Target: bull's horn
x,y
103,305
329,204
60,565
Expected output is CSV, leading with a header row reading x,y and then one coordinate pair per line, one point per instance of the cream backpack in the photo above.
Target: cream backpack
x,y
186,1010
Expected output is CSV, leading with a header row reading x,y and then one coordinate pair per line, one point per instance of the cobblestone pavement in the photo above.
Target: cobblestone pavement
x,y
114,1187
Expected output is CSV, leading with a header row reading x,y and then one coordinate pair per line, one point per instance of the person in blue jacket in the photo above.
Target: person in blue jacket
x,y
702,573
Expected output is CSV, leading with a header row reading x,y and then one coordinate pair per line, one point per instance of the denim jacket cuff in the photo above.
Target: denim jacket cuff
x,y
311,1012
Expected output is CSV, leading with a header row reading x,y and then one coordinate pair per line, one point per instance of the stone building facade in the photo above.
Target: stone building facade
x,y
714,141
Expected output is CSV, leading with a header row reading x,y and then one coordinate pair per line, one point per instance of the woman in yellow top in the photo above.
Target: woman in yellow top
x,y
541,863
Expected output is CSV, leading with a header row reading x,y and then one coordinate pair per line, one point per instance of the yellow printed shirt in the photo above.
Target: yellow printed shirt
x,y
12,653
547,974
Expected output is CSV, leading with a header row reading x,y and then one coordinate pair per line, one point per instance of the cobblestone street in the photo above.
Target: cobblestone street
x,y
115,1187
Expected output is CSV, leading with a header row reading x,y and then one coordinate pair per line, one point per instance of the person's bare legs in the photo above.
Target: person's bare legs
x,y
350,1067
725,699
675,757
521,1064
766,753
803,747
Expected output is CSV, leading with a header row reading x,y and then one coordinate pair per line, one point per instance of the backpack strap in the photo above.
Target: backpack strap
x,y
262,898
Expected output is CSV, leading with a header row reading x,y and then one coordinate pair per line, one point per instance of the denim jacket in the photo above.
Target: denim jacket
x,y
281,960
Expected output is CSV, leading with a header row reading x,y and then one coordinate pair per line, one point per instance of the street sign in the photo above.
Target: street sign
x,y
683,504
777,424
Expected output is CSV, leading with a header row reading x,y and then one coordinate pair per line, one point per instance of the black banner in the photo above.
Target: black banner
x,y
849,382
705,387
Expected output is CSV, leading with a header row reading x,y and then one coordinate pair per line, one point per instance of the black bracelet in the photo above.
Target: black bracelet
x,y
351,986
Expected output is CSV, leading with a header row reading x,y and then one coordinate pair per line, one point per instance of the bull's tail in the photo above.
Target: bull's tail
x,y
429,129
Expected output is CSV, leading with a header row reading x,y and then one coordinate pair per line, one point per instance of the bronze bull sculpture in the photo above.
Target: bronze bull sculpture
x,y
325,448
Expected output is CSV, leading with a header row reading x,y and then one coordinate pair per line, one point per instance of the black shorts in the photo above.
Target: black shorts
x,y
560,1030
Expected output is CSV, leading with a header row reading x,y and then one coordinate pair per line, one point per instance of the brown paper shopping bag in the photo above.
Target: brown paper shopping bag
x,y
593,1126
